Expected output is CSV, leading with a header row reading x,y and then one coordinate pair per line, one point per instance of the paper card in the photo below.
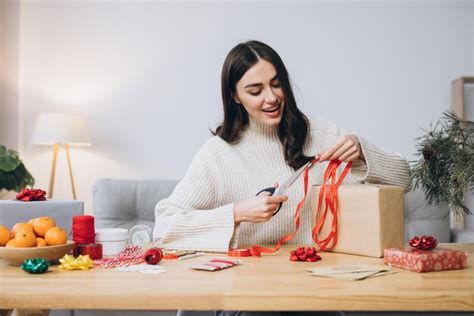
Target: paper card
x,y
347,269
355,276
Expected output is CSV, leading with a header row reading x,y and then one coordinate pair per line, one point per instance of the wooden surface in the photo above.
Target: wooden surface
x,y
268,283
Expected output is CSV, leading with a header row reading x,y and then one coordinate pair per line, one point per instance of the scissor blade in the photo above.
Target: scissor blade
x,y
292,179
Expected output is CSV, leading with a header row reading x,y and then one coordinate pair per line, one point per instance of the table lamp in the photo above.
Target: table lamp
x,y
59,129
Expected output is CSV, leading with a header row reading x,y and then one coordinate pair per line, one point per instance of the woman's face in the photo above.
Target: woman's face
x,y
260,92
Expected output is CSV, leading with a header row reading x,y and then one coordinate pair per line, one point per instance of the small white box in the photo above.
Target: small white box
x,y
113,240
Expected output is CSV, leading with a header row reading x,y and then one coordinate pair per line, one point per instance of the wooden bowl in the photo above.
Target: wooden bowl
x,y
16,256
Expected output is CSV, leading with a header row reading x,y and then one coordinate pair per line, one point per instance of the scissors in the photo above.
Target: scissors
x,y
282,189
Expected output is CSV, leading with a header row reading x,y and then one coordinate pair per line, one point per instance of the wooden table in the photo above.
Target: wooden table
x,y
268,283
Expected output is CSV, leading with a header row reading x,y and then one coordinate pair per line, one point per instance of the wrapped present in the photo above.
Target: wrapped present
x,y
12,211
425,260
369,219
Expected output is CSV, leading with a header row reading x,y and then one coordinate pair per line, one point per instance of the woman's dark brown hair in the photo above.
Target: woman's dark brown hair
x,y
294,126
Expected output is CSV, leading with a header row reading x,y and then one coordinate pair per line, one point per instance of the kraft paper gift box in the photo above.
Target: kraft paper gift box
x,y
62,211
370,219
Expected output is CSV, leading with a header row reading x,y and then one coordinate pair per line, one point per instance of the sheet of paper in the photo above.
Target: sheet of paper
x,y
347,268
350,272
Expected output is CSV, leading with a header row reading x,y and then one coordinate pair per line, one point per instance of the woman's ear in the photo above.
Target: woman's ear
x,y
236,99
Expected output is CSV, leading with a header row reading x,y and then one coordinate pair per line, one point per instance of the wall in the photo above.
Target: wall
x,y
9,94
146,75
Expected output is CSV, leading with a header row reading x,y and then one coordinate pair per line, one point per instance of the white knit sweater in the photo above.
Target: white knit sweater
x,y
199,213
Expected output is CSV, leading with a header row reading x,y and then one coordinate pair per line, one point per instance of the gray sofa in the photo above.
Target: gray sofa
x,y
126,203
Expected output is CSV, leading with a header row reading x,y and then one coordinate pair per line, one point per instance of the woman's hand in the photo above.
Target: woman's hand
x,y
347,148
257,209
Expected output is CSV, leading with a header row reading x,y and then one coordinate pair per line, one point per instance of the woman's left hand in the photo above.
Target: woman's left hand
x,y
347,148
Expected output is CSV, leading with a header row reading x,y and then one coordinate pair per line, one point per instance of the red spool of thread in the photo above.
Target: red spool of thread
x,y
83,231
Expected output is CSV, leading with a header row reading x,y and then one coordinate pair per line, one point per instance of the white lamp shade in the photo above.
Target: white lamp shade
x,y
58,128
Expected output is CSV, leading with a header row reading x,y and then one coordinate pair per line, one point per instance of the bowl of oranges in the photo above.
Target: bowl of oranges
x,y
38,238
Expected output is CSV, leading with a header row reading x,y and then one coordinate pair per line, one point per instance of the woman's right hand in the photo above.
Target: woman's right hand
x,y
257,209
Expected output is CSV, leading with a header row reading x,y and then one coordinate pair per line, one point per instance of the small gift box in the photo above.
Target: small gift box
x,y
425,260
62,211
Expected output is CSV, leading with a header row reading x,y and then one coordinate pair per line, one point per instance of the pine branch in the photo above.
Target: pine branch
x,y
445,169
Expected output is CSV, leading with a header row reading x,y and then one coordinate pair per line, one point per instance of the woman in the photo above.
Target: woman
x,y
263,138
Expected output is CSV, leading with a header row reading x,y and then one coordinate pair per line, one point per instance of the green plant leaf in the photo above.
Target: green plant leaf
x,y
13,173
9,160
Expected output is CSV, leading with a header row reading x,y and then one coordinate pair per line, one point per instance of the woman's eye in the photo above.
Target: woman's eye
x,y
255,93
276,85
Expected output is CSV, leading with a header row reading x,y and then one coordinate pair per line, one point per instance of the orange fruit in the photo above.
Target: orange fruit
x,y
25,238
10,244
55,236
21,227
40,242
5,235
42,224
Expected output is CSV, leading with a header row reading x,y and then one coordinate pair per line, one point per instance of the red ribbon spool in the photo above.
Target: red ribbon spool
x,y
93,250
83,231
243,252
153,255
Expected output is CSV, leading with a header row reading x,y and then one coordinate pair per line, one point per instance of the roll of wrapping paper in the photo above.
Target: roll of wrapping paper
x,y
93,250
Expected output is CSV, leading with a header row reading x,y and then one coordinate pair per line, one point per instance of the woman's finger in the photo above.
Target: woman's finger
x,y
343,149
348,153
277,199
352,157
325,155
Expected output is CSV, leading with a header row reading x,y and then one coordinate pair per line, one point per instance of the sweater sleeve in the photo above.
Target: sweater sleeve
x,y
380,166
190,218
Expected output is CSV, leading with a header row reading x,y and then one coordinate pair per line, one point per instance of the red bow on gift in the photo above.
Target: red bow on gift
x,y
28,195
423,242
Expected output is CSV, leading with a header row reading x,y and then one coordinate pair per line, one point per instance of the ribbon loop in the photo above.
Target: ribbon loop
x,y
330,196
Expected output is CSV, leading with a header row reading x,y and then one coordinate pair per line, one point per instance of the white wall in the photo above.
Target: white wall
x,y
9,94
146,75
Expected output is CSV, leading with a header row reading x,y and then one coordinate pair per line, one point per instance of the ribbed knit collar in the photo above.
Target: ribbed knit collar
x,y
259,131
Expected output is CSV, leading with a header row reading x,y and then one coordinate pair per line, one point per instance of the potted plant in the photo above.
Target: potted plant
x,y
445,169
13,173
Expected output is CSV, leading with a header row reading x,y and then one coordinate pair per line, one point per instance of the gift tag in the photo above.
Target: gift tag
x,y
215,265
140,235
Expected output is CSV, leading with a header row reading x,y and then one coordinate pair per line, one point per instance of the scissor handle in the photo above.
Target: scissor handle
x,y
271,190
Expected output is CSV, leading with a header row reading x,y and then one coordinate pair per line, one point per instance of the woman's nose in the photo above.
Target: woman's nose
x,y
270,96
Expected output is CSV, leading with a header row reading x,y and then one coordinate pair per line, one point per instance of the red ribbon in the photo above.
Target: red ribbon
x,y
331,199
329,191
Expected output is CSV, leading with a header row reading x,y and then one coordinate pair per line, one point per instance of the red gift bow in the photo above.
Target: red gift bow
x,y
423,242
28,195
305,254
331,202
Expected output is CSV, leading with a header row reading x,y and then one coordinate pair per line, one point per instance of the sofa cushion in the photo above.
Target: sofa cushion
x,y
126,203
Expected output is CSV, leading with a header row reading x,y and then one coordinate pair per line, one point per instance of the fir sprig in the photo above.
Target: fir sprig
x,y
445,169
